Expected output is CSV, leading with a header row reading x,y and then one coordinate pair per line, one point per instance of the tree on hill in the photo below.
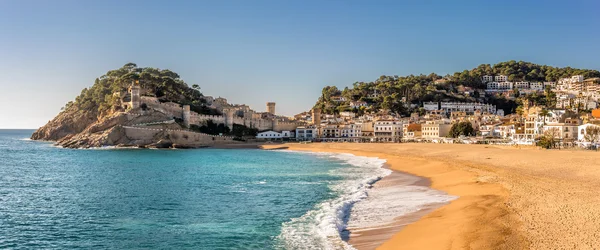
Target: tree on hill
x,y
162,83
461,129
416,89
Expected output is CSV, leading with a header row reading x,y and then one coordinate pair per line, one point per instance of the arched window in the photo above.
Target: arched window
x,y
582,131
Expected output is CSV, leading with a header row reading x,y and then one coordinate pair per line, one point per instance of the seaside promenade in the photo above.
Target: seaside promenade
x,y
509,198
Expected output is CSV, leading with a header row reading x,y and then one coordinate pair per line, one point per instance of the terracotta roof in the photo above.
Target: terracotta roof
x,y
413,127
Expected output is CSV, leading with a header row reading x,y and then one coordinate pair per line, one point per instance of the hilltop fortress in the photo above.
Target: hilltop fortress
x,y
231,114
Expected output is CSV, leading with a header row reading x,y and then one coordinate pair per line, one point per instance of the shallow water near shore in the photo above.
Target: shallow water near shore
x,y
56,198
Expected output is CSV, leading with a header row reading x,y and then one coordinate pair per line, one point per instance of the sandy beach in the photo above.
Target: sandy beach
x,y
509,198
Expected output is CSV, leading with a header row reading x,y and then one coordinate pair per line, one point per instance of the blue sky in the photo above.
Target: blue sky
x,y
284,51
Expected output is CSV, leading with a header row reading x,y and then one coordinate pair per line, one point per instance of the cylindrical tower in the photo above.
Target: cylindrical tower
x,y
228,112
186,115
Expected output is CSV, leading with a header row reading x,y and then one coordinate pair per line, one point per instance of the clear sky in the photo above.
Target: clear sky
x,y
283,51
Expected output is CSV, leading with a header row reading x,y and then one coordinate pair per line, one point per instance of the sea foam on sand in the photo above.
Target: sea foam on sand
x,y
357,204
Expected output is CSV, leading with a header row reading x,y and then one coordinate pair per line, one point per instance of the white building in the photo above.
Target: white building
x,y
582,129
469,108
310,133
521,85
487,78
499,86
347,114
537,86
388,130
501,78
358,104
272,135
431,106
351,131
269,135
577,78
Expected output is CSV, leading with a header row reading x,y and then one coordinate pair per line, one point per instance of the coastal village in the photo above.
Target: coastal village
x,y
564,124
469,107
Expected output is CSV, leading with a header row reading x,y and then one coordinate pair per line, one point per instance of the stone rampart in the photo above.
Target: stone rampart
x,y
146,136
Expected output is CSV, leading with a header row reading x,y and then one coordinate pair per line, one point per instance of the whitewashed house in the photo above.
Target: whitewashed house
x,y
272,135
582,131
269,135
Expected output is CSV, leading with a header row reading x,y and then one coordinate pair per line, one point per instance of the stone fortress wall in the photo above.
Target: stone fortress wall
x,y
145,136
241,115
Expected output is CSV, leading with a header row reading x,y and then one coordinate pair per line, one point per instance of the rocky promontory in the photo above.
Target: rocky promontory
x,y
113,113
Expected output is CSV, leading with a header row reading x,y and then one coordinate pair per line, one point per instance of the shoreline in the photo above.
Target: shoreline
x,y
368,238
478,218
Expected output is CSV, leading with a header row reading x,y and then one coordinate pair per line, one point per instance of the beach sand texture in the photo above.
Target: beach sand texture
x,y
509,198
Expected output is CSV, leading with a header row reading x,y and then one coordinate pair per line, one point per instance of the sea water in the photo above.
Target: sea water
x,y
55,198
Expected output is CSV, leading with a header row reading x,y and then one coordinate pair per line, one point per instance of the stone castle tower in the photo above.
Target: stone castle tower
x,y
135,94
271,108
186,115
228,113
316,116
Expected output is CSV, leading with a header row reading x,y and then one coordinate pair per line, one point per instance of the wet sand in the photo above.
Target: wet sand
x,y
371,238
509,198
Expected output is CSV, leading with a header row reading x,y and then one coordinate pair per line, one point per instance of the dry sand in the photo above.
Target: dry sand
x,y
509,198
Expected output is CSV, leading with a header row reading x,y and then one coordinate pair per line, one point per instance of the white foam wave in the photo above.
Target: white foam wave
x,y
356,205
322,227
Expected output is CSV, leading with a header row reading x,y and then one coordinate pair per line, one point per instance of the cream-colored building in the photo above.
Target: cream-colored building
x,y
435,129
388,130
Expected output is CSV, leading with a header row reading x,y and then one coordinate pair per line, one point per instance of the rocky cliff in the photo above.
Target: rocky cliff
x,y
148,128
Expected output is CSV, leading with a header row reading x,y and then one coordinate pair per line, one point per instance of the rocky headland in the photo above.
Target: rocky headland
x,y
112,113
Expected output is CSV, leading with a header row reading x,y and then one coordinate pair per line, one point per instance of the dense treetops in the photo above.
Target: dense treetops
x,y
393,93
164,84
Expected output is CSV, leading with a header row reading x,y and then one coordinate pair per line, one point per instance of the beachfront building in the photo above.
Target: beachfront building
x,y
351,131
388,130
308,133
411,131
562,131
583,131
533,126
435,129
341,132
490,129
272,135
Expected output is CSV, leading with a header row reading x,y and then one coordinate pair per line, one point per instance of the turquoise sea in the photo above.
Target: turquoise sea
x,y
55,198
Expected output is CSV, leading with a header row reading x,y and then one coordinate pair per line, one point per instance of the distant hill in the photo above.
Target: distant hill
x,y
394,92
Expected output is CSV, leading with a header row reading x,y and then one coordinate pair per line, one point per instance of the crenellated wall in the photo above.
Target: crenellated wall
x,y
249,120
199,119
